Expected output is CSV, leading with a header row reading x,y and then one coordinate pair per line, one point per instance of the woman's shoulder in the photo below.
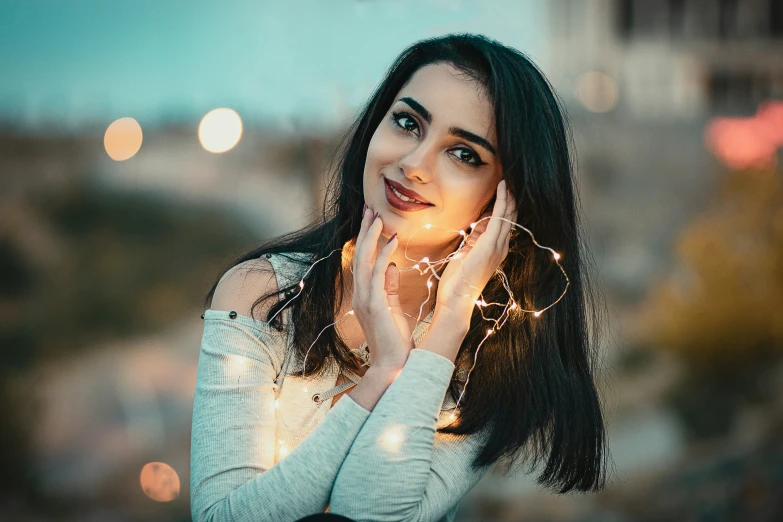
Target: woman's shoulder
x,y
244,283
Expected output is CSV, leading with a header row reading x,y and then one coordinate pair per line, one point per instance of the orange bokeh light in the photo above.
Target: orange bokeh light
x,y
159,481
122,139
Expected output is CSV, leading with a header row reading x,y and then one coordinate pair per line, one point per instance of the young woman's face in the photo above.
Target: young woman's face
x,y
437,139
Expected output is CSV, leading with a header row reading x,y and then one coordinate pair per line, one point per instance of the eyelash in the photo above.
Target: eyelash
x,y
396,115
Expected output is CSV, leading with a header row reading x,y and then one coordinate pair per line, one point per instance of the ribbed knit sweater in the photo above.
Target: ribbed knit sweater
x,y
267,446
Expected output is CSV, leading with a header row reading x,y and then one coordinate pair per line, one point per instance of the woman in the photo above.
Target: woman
x,y
472,131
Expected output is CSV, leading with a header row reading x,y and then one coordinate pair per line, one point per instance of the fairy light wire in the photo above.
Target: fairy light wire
x,y
430,266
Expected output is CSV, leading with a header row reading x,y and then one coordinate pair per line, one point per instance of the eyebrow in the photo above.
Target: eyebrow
x,y
454,131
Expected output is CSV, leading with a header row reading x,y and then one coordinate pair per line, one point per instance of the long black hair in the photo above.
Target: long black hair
x,y
533,383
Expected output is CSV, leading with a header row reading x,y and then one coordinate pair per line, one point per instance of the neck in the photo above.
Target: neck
x,y
413,282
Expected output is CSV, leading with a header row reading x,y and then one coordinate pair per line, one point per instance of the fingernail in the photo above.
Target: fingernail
x,y
390,239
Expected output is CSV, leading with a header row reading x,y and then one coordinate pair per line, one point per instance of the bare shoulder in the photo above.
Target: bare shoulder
x,y
243,284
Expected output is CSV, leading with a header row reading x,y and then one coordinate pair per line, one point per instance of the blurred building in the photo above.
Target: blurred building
x,y
670,58
641,79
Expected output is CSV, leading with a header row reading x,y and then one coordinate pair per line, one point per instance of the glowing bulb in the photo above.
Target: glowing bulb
x,y
304,389
301,284
536,313
350,312
425,260
452,417
390,308
472,225
557,256
416,266
513,305
429,284
456,256
428,225
277,403
461,232
489,332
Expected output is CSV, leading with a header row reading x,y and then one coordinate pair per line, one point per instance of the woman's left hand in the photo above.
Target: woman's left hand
x,y
485,248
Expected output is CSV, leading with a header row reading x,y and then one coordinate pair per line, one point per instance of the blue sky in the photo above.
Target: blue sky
x,y
89,61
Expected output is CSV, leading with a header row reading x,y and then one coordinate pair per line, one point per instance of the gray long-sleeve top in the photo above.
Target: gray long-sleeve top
x,y
267,446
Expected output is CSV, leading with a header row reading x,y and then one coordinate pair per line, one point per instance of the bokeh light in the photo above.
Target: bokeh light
x,y
747,142
392,439
220,130
159,481
596,91
122,139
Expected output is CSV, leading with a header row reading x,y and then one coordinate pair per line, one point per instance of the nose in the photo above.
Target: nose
x,y
417,163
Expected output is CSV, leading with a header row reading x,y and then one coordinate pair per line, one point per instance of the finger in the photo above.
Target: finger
x,y
379,270
494,226
366,217
388,277
510,216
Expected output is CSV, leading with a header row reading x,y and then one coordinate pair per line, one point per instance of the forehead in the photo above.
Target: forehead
x,y
452,99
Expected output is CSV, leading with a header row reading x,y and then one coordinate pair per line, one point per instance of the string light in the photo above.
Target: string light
x,y
431,267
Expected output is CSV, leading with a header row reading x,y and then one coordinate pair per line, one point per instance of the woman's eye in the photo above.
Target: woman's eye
x,y
406,118
470,154
409,124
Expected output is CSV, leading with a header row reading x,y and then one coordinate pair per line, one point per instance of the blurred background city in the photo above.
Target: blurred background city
x,y
145,144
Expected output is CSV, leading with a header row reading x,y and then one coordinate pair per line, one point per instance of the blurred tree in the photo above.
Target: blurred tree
x,y
124,264
719,311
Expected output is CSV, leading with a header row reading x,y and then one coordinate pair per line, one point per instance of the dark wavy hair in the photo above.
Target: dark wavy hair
x,y
533,384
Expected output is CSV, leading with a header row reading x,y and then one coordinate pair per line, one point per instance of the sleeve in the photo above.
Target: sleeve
x,y
233,473
395,471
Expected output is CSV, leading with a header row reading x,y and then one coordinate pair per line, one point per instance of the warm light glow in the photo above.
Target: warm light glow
x,y
472,225
427,226
462,232
159,482
304,389
452,417
457,255
536,313
478,302
277,403
220,130
596,91
416,266
425,260
122,139
557,256
301,284
391,439
350,312
513,305
429,284
235,366
283,451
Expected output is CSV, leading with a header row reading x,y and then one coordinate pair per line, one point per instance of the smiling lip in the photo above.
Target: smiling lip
x,y
406,191
399,204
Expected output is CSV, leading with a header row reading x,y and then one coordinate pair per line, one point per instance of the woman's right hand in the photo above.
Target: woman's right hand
x,y
375,300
